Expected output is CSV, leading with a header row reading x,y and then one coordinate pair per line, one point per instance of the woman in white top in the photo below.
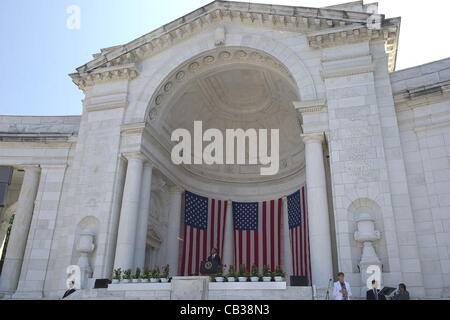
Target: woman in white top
x,y
341,290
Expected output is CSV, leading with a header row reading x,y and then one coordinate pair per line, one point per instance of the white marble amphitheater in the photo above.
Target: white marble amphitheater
x,y
371,144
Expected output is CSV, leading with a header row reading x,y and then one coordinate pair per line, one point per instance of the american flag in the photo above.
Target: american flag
x,y
204,228
257,233
299,233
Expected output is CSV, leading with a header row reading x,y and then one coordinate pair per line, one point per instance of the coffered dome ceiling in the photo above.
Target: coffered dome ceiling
x,y
238,96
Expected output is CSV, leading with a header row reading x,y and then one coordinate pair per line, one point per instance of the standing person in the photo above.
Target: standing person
x,y
374,293
402,293
341,290
70,290
214,257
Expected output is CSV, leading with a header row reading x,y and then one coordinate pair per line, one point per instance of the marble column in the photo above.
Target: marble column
x,y
228,241
129,213
19,232
173,230
142,226
319,222
287,251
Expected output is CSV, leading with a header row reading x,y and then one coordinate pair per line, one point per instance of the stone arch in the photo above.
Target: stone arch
x,y
283,55
355,208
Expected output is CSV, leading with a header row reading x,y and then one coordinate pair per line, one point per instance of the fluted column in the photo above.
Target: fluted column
x,y
173,230
287,252
129,213
228,245
19,232
319,222
142,226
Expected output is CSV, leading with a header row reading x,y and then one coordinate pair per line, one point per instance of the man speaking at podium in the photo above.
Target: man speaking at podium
x,y
209,267
214,257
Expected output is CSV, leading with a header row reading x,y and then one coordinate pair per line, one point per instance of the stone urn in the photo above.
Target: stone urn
x,y
367,235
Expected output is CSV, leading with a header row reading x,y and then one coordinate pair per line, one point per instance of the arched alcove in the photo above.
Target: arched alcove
x,y
355,209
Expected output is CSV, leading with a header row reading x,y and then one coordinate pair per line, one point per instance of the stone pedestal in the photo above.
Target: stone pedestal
x,y
192,288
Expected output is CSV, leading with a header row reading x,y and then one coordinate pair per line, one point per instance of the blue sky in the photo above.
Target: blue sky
x,y
38,51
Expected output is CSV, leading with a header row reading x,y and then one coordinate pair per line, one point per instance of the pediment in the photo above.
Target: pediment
x,y
324,27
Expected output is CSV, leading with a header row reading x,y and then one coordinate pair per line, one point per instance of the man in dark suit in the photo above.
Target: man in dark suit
x,y
374,293
214,257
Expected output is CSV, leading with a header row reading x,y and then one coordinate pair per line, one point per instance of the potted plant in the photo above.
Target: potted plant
x,y
231,275
145,276
266,273
255,275
155,275
136,275
126,276
117,275
279,274
219,275
242,273
165,274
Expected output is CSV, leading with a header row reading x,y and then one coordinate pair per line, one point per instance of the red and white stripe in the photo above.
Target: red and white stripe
x,y
261,246
300,242
197,243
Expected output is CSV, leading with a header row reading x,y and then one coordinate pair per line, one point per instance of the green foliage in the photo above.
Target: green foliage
x,y
279,272
220,270
146,274
165,273
266,271
117,274
231,272
137,274
127,274
242,270
255,272
155,273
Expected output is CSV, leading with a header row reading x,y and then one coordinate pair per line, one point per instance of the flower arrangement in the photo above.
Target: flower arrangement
x,y
117,274
254,271
127,274
266,271
156,273
220,270
242,271
231,273
279,272
137,274
165,273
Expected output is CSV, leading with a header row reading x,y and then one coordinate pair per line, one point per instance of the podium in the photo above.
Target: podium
x,y
208,267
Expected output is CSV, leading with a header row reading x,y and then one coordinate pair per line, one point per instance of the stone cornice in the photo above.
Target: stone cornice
x,y
321,24
388,33
126,71
310,106
421,96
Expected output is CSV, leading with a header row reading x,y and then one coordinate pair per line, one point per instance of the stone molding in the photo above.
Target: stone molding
x,y
207,61
325,27
311,106
175,189
134,156
313,137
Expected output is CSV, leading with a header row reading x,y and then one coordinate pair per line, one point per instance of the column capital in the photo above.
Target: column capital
x,y
317,137
29,167
134,156
175,189
148,164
